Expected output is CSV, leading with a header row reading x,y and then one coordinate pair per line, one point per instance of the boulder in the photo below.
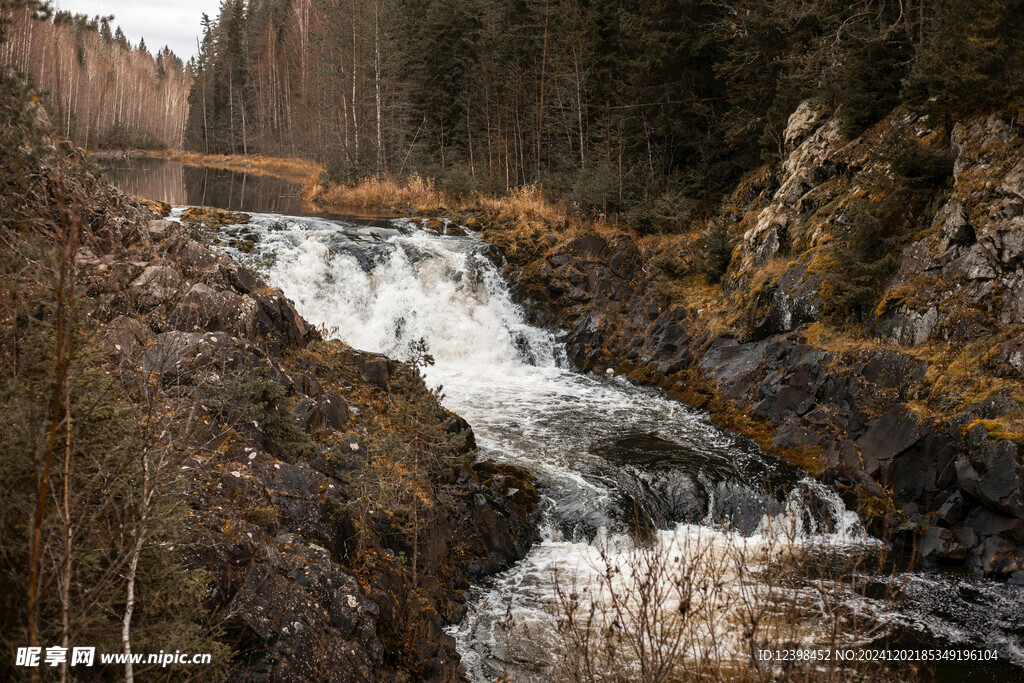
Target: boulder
x,y
377,372
624,260
158,282
178,354
938,543
910,327
204,308
791,302
161,229
155,205
956,226
279,322
893,370
303,617
894,432
990,472
807,118
587,246
193,258
329,412
211,217
1011,354
127,337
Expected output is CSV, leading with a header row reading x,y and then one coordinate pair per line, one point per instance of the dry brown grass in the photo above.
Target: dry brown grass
x,y
412,194
826,337
959,376
523,204
299,171
527,203
707,299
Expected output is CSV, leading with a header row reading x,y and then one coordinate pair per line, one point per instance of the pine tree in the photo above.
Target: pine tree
x,y
973,56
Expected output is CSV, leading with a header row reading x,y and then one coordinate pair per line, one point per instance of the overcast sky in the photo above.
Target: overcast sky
x,y
160,22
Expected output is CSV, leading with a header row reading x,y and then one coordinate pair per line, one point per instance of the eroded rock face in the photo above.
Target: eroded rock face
x,y
205,308
974,254
788,303
815,155
953,480
295,594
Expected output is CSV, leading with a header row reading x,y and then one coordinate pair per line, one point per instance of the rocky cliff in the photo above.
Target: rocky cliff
x,y
868,324
333,503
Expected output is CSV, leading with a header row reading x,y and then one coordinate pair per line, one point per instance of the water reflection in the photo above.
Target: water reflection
x,y
180,184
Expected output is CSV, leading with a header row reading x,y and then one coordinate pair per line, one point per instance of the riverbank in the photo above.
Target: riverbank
x,y
320,511
916,415
526,207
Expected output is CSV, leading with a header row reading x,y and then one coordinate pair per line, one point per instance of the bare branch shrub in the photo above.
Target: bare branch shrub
x,y
708,603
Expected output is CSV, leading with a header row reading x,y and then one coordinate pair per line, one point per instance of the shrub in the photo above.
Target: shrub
x,y
669,213
865,257
917,162
595,190
870,82
714,248
459,181
22,142
254,396
110,487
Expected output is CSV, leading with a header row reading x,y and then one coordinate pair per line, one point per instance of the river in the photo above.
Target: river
x,y
626,473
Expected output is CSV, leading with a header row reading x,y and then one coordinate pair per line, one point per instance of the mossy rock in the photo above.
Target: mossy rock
x,y
162,208
525,497
998,431
210,217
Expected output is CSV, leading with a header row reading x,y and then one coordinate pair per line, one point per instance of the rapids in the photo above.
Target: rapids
x,y
617,465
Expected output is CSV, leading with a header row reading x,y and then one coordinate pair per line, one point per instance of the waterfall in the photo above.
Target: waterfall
x,y
384,296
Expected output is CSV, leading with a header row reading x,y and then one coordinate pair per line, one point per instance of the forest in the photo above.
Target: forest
x,y
655,108
98,90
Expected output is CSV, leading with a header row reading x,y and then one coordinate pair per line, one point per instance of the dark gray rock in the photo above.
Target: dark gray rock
x,y
204,308
891,434
956,226
279,322
587,246
178,355
624,260
377,372
156,284
1012,354
161,229
330,412
938,543
127,336
298,616
991,472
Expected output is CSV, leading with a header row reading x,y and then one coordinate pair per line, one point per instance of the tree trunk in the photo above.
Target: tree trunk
x,y
65,291
133,565
543,71
65,598
376,85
